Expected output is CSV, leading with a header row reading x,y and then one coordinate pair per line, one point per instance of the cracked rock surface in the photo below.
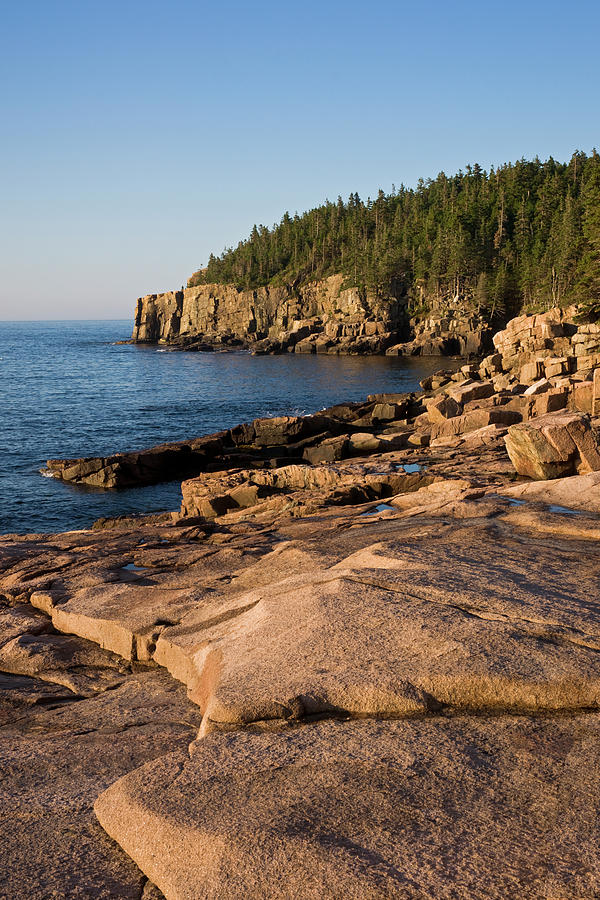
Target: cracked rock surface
x,y
385,699
64,737
484,808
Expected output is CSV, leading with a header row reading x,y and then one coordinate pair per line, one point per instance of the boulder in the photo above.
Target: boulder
x,y
329,450
442,408
474,419
552,446
538,387
362,443
558,365
305,346
491,365
582,396
389,411
531,371
472,390
438,379
280,430
551,401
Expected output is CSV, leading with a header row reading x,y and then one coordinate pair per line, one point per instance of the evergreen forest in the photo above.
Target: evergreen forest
x,y
525,235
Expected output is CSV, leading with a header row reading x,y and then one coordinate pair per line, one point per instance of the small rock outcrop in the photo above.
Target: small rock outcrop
x,y
162,463
342,431
554,445
574,493
450,328
555,345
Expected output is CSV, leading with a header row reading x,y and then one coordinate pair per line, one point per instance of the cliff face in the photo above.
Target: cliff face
x,y
217,310
319,317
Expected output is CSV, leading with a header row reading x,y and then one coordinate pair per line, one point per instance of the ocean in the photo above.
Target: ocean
x,y
68,390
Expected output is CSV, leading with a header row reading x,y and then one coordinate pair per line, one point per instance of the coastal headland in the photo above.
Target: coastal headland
x,y
385,617
314,317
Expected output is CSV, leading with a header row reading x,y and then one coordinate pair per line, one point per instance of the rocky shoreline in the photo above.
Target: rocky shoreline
x,y
317,317
385,616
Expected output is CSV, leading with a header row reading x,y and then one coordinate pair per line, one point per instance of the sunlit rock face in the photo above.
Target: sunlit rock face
x,y
318,317
381,694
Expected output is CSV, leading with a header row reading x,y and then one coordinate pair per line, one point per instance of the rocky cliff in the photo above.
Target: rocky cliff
x,y
556,346
319,317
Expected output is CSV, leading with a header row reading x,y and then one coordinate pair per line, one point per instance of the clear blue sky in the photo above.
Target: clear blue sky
x,y
137,137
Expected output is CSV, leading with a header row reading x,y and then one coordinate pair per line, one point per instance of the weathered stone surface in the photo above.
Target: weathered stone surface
x,y
472,390
551,345
582,396
538,387
162,463
403,590
552,400
389,412
255,443
595,410
579,492
530,372
554,445
377,671
330,450
363,442
473,420
81,667
206,497
486,436
375,621
315,317
58,750
558,365
451,329
281,430
437,380
443,408
479,808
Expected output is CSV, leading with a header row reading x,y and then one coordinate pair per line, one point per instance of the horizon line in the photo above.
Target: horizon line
x,y
25,321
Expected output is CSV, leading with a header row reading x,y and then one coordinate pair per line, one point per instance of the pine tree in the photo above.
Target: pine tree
x,y
531,228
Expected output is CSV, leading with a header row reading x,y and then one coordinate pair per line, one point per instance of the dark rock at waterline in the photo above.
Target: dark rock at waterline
x,y
262,442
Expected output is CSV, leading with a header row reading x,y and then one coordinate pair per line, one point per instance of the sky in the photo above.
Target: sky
x,y
138,137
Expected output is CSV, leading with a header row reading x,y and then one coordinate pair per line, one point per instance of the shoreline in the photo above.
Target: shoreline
x,y
383,615
198,395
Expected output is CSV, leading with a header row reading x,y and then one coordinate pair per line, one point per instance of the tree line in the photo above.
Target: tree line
x,y
523,235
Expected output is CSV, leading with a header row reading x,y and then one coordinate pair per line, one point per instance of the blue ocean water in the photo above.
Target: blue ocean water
x,y
67,390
